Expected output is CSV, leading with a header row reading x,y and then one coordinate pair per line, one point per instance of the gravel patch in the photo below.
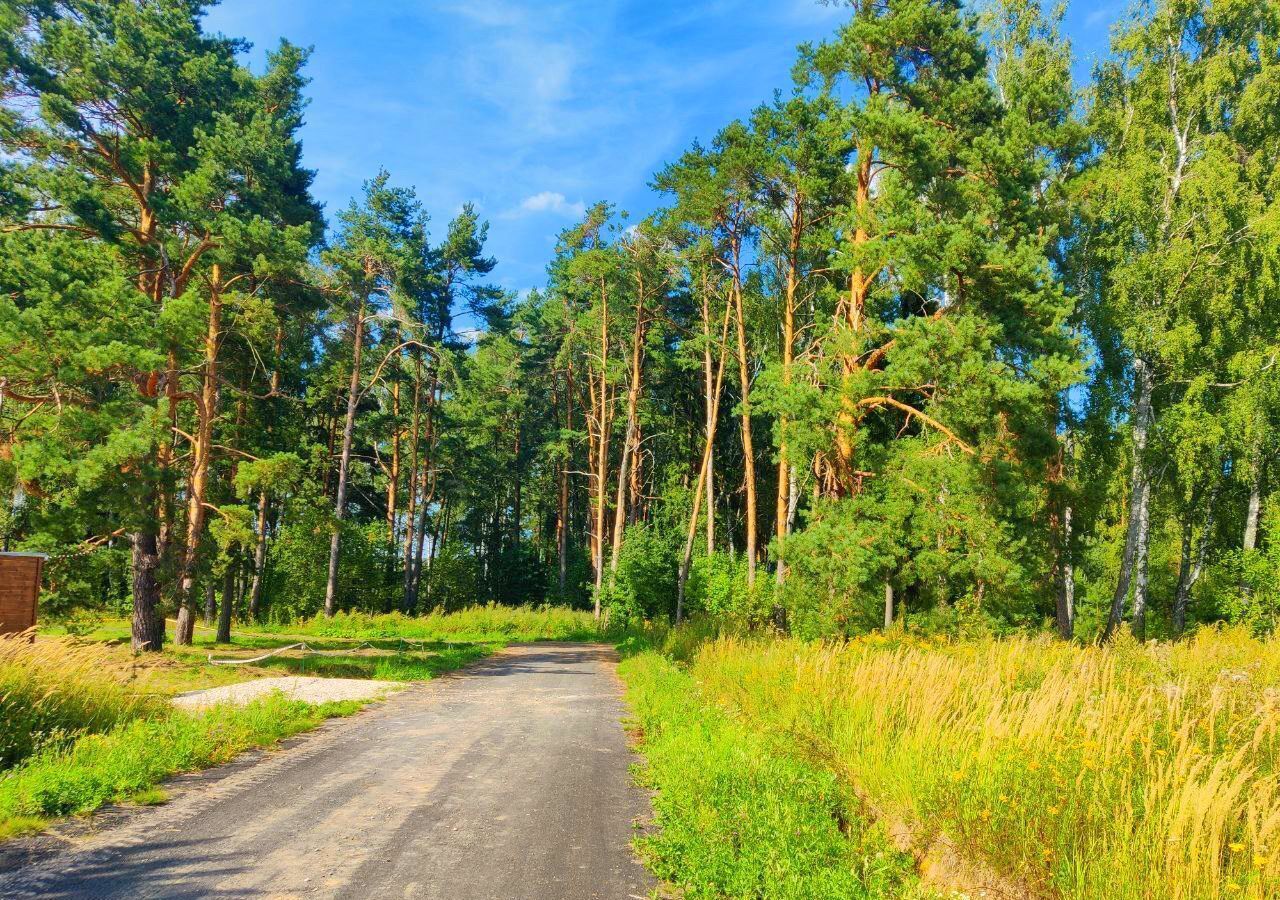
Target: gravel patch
x,y
310,690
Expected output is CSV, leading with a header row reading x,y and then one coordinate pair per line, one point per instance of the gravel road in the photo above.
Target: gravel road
x,y
506,780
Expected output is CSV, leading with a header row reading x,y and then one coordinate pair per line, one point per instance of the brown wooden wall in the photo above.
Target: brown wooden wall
x,y
19,591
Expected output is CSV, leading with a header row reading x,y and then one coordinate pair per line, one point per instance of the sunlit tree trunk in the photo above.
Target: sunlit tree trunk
x,y
704,469
201,453
1066,600
603,426
782,503
413,483
710,401
393,476
629,441
344,462
748,447
1139,494
260,547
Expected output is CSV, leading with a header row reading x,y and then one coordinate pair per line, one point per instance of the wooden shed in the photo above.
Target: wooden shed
x,y
19,590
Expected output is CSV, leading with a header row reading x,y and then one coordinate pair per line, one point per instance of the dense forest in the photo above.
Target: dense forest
x,y
933,336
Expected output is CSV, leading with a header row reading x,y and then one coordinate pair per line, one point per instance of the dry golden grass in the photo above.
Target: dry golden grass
x,y
1121,772
54,689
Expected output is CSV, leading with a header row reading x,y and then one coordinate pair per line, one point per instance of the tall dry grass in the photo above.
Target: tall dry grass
x,y
1121,772
55,689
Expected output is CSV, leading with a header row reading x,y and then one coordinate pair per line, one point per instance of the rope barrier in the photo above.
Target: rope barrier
x,y
311,651
243,662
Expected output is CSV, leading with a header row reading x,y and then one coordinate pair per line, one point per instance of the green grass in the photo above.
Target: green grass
x,y
403,666
53,690
480,624
738,816
127,762
180,669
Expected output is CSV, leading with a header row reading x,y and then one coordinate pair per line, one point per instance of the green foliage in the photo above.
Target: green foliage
x,y
645,584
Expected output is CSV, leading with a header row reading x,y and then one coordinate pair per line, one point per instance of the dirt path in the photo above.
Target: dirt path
x,y
507,780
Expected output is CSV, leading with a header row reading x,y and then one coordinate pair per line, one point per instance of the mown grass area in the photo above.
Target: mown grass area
x,y
481,624
739,816
128,761
1127,771
180,669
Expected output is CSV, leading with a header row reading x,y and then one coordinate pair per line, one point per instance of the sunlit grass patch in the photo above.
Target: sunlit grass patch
x,y
53,690
738,815
1120,772
125,763
491,623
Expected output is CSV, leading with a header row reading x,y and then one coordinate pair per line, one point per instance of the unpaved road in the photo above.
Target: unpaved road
x,y
507,780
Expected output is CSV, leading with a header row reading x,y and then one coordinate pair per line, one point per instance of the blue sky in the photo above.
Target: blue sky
x,y
533,109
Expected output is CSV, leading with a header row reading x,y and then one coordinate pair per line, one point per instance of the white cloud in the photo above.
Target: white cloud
x,y
1102,15
548,202
490,13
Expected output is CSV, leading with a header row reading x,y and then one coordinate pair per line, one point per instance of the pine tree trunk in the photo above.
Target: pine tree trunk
x,y
748,448
788,349
259,560
602,447
148,624
228,597
849,315
201,453
1144,384
628,444
562,512
344,464
709,379
888,605
210,603
704,472
393,478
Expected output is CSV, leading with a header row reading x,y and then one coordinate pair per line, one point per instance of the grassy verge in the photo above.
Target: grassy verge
x,y
476,624
51,691
129,760
180,669
739,816
1120,772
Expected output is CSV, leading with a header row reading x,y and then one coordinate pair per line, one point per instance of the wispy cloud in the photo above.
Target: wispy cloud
x,y
1102,14
547,202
